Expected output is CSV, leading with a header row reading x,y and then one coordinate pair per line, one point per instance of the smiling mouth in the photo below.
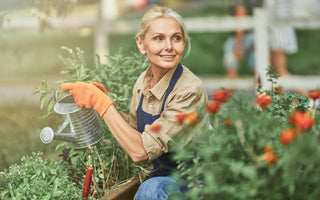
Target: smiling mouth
x,y
167,56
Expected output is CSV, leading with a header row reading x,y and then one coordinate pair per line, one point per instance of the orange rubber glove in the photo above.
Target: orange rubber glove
x,y
89,95
100,86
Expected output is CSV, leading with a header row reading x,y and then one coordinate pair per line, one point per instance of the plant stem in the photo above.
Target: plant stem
x,y
243,140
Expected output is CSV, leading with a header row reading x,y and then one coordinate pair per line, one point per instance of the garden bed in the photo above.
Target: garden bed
x,y
126,190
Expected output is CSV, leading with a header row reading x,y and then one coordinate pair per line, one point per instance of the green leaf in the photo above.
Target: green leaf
x,y
43,99
51,104
249,172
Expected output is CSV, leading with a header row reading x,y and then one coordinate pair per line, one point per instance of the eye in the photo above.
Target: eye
x,y
177,38
158,38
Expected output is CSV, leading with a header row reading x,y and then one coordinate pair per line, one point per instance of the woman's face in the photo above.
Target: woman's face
x,y
163,43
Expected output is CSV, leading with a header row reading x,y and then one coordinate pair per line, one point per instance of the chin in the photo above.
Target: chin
x,y
169,65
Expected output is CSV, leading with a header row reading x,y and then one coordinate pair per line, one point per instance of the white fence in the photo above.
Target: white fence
x,y
107,22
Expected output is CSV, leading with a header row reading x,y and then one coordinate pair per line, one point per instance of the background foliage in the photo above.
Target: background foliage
x,y
204,59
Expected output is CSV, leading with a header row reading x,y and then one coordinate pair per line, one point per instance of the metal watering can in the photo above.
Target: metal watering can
x,y
82,126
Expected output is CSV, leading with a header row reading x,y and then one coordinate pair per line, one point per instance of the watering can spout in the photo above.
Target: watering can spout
x,y
47,135
81,126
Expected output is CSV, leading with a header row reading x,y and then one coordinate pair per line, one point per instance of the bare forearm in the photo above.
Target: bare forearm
x,y
128,138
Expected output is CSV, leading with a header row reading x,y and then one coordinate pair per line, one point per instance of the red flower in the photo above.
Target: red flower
x,y
228,123
221,95
268,148
287,136
263,100
301,120
270,158
214,106
155,127
191,117
180,117
314,94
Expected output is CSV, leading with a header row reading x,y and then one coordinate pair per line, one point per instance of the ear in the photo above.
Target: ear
x,y
140,45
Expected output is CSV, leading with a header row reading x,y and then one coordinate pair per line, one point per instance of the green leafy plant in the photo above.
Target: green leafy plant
x,y
283,103
246,154
36,178
111,164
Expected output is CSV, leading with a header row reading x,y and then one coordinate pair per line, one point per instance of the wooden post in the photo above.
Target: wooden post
x,y
261,46
107,10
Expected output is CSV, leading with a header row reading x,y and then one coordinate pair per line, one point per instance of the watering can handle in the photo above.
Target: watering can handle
x,y
55,96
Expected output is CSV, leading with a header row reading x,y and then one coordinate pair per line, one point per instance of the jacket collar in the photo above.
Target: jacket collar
x,y
161,87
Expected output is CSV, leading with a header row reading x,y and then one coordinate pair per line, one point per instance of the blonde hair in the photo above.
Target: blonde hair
x,y
162,12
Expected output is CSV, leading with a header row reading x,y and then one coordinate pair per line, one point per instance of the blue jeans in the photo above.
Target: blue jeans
x,y
158,188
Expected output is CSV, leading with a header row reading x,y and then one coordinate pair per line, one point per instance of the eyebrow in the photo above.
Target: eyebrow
x,y
176,33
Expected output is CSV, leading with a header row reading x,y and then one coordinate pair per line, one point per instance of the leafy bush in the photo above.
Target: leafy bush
x,y
248,153
111,164
36,178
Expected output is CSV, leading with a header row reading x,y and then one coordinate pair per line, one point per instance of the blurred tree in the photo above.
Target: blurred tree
x,y
44,9
6,5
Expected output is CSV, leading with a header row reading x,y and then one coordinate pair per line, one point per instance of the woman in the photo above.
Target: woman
x,y
160,93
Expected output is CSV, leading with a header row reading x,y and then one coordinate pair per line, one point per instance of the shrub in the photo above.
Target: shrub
x,y
36,178
243,156
111,164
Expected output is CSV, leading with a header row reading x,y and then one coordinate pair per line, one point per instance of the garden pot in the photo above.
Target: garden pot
x,y
81,127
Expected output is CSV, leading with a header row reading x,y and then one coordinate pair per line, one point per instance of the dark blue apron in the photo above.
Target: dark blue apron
x,y
163,165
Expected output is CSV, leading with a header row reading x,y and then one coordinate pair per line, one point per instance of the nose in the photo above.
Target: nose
x,y
168,44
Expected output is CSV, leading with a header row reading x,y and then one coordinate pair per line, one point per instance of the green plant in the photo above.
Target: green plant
x,y
35,178
19,130
246,159
111,164
283,103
